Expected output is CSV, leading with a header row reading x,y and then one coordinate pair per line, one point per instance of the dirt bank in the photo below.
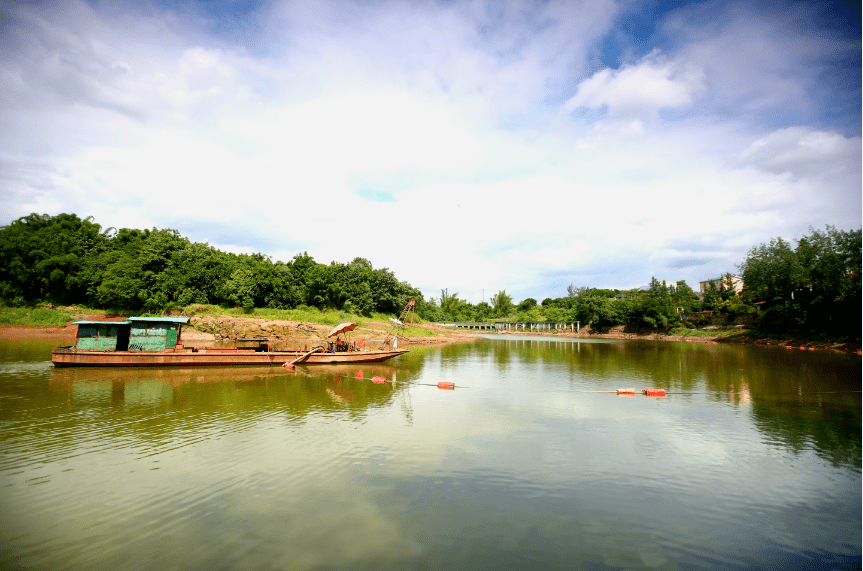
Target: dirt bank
x,y
291,334
284,333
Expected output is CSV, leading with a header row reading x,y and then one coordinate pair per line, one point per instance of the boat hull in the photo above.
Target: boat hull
x,y
70,357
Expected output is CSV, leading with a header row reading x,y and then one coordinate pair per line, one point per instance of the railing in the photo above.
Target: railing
x,y
515,325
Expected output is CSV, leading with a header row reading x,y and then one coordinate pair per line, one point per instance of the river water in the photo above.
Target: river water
x,y
752,461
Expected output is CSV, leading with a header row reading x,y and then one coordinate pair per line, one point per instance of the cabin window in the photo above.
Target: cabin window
x,y
157,329
88,330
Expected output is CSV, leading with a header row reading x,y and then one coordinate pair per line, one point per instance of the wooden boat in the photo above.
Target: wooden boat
x,y
156,342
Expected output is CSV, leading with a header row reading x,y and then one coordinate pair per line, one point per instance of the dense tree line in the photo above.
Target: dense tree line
x,y
814,286
811,287
63,259
660,306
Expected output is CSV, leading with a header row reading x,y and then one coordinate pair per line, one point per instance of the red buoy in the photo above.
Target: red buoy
x,y
379,380
654,392
446,385
359,375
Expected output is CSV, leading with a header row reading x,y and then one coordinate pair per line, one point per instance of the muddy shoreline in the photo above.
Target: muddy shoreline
x,y
287,334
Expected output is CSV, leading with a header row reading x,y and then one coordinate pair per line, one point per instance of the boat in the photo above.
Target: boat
x,y
157,342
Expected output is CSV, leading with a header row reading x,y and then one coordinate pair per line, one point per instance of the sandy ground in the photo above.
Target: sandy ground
x,y
206,330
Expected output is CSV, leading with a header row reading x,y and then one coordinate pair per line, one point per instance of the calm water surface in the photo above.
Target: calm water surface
x,y
753,461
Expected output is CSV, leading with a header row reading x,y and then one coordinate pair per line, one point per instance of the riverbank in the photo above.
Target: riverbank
x,y
729,336
206,330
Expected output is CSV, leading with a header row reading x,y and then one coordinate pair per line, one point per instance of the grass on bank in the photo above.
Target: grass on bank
x,y
60,317
36,316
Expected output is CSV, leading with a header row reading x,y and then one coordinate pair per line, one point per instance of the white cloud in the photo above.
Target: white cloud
x,y
804,152
641,90
148,121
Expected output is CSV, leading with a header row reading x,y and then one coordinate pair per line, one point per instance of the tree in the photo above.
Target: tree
x,y
526,305
502,303
813,287
572,291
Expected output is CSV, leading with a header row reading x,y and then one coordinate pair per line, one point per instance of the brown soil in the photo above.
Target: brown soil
x,y
290,334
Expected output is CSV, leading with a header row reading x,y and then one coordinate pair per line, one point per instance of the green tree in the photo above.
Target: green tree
x,y
502,303
814,287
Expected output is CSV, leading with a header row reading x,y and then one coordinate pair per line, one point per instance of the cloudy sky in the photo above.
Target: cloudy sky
x,y
468,145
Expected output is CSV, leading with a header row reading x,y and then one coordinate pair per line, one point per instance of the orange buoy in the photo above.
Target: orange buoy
x,y
689,340
289,366
359,375
446,385
803,348
654,392
379,380
626,391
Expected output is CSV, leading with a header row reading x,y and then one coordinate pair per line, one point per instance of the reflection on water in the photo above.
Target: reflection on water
x,y
753,460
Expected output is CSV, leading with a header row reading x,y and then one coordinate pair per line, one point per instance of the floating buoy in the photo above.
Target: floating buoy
x,y
359,375
379,380
289,366
654,392
626,391
788,346
803,348
859,352
446,385
689,340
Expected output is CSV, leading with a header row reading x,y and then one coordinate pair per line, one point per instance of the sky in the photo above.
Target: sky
x,y
476,146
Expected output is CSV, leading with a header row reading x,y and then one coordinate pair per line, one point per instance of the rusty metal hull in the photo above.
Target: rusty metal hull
x,y
70,357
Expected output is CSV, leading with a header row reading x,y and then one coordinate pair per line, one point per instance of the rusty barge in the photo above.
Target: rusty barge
x,y
157,342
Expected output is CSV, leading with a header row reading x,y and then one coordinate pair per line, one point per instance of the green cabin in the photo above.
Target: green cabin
x,y
135,334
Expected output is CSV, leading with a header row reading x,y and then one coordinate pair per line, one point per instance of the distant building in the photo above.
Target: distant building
x,y
715,283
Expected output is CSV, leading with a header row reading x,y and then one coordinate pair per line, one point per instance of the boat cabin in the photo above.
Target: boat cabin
x,y
134,334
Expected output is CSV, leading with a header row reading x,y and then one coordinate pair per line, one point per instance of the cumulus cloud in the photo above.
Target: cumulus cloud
x,y
451,138
640,90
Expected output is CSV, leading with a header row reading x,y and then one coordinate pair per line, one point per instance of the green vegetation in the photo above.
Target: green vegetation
x,y
813,288
686,332
35,316
66,260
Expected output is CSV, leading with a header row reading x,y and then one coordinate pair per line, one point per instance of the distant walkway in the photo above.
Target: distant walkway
x,y
515,325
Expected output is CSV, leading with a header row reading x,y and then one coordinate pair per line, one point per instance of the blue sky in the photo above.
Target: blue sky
x,y
474,146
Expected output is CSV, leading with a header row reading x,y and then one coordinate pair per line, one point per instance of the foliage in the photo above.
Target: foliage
x,y
813,287
502,303
35,316
64,259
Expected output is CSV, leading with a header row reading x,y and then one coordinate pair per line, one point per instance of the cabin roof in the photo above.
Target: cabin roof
x,y
161,319
101,322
